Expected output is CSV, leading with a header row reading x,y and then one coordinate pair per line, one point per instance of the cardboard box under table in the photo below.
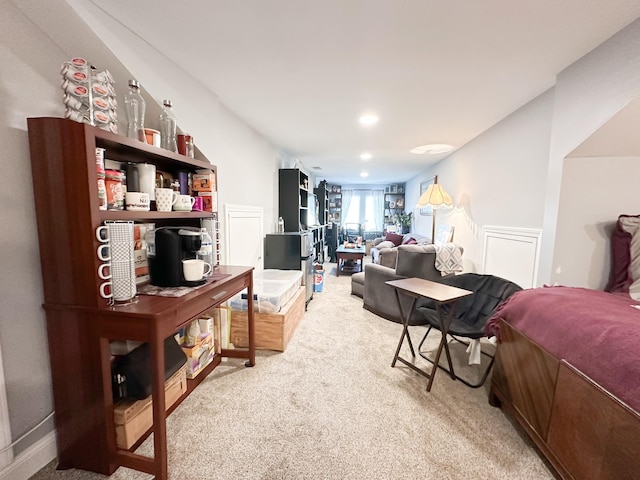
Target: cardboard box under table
x,y
133,418
277,310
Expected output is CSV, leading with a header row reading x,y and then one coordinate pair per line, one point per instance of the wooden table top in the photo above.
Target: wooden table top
x,y
343,249
439,292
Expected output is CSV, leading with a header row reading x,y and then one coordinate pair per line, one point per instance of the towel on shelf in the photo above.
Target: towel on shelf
x,y
448,258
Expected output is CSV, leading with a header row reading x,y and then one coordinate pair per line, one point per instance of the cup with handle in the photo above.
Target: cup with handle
x,y
184,203
194,269
165,199
104,271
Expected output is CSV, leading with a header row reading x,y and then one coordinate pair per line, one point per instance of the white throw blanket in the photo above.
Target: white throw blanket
x,y
448,258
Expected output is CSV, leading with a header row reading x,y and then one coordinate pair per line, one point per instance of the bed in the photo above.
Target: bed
x,y
567,370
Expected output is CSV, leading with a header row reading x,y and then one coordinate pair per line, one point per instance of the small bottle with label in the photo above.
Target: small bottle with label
x,y
206,248
280,226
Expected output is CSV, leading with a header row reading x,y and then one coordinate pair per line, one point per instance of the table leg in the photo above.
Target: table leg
x,y
444,328
405,328
159,407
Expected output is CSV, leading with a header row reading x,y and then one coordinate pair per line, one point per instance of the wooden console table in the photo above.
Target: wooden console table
x,y
85,423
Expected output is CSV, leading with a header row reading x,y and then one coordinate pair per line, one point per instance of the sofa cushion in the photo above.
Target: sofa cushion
x,y
414,261
393,237
419,239
410,241
385,244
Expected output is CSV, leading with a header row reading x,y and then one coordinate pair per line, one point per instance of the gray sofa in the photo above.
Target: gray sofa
x,y
381,245
412,261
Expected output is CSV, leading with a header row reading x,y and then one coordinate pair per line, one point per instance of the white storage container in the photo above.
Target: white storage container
x,y
272,289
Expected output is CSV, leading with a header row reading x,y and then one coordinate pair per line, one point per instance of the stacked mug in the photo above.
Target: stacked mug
x,y
116,250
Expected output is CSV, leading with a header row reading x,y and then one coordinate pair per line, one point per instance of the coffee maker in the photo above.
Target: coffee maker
x,y
167,247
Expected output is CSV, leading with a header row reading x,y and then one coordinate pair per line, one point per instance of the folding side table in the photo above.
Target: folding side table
x,y
440,293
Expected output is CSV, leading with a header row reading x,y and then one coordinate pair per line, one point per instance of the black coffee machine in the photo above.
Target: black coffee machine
x,y
166,248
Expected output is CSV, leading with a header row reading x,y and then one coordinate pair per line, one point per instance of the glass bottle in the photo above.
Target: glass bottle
x,y
135,105
280,225
206,248
168,127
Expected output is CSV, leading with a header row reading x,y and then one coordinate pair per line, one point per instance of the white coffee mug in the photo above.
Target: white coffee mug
x,y
103,290
165,199
138,201
184,203
102,233
101,271
122,284
193,269
103,252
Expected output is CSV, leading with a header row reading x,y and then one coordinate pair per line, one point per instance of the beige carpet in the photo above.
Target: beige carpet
x,y
331,407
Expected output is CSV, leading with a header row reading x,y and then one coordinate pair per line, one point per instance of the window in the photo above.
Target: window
x,y
362,210
353,214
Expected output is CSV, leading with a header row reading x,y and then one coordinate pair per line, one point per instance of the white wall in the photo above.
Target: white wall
x,y
524,158
588,93
496,179
29,86
594,192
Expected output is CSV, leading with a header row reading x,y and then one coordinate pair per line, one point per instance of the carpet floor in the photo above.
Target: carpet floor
x,y
331,407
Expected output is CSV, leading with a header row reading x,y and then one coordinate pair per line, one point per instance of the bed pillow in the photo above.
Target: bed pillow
x,y
393,237
620,259
625,259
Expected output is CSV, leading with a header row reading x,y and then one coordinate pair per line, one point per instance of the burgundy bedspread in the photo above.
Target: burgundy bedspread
x,y
596,332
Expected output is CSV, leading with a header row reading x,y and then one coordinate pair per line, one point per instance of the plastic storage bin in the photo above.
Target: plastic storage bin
x,y
272,289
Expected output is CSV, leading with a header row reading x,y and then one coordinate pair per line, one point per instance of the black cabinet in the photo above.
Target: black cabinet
x,y
293,199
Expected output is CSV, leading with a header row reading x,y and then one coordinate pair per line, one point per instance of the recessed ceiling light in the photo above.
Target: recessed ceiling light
x,y
368,119
364,174
366,156
432,149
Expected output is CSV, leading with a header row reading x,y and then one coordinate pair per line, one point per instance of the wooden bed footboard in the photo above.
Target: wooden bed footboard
x,y
584,431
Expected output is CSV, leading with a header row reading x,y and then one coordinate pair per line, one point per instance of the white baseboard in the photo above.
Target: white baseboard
x,y
34,458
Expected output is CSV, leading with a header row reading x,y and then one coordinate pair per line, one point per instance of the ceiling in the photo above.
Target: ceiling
x,y
301,72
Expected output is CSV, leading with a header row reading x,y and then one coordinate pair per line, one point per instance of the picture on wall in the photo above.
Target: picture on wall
x,y
427,211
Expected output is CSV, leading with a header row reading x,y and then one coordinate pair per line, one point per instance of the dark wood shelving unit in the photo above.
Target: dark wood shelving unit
x,y
81,323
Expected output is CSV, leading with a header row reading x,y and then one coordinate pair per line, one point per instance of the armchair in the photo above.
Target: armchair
x,y
412,261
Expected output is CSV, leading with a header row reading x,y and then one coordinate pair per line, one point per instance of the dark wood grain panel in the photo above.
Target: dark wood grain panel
x,y
592,433
526,375
77,391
